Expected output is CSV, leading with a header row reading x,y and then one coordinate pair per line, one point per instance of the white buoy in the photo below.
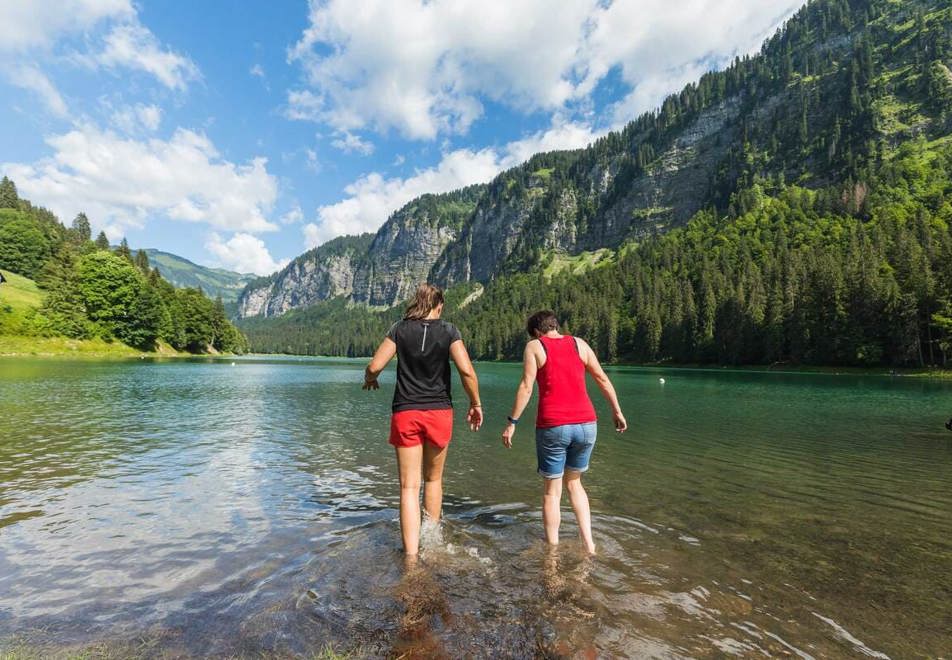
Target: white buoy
x,y
232,364
661,380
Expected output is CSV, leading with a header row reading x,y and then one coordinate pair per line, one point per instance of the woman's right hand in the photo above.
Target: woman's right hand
x,y
620,423
475,417
371,384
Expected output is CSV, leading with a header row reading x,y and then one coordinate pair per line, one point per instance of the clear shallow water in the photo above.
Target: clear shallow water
x,y
198,508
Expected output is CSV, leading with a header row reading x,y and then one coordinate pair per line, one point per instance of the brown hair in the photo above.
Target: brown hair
x,y
542,321
427,298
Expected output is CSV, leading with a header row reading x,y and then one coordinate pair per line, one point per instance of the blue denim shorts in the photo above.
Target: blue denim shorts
x,y
566,447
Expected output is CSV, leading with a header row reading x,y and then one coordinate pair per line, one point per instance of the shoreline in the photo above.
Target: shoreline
x,y
896,372
16,346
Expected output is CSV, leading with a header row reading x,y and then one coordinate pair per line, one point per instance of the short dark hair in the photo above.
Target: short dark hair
x,y
542,321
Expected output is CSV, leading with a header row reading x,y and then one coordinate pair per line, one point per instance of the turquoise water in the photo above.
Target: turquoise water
x,y
198,508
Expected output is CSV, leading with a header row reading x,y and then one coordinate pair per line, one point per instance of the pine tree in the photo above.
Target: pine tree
x,y
142,261
8,195
102,242
81,228
124,251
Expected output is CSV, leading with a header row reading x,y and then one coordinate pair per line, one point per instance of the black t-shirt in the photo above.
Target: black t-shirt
x,y
423,364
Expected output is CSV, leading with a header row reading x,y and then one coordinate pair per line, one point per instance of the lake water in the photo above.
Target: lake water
x,y
195,508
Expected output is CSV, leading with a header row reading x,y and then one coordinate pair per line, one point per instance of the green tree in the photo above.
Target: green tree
x,y
124,251
142,261
63,306
102,242
8,195
81,228
111,288
23,245
198,322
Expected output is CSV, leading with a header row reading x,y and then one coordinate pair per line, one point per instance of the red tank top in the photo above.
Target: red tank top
x,y
563,398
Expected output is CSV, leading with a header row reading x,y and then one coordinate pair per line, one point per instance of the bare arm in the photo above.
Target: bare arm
x,y
530,366
467,376
378,363
604,384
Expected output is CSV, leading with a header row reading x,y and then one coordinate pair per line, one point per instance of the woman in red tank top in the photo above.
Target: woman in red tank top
x,y
566,421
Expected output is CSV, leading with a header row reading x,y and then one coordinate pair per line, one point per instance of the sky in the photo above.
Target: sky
x,y
240,134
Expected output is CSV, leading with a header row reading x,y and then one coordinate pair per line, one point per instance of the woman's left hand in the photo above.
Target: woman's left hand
x,y
507,434
371,384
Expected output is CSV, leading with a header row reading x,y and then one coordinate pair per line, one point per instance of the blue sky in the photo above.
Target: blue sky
x,y
241,134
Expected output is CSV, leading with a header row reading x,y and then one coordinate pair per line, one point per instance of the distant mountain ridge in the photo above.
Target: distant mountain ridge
x,y
840,85
213,281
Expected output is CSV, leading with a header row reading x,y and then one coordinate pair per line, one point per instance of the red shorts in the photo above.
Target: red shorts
x,y
409,428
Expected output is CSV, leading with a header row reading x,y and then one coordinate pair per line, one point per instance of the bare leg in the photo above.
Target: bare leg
x,y
433,460
579,499
408,464
551,513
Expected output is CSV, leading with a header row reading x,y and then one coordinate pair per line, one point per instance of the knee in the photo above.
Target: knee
x,y
574,485
410,483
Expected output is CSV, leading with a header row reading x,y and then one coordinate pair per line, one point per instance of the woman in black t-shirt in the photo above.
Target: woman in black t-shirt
x,y
422,421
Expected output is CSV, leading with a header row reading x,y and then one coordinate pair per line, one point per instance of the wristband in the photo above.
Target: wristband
x,y
512,420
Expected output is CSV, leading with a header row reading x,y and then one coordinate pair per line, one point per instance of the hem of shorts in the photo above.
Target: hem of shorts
x,y
403,407
422,442
552,426
571,469
546,475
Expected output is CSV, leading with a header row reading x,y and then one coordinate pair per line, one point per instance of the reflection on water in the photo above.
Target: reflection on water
x,y
194,509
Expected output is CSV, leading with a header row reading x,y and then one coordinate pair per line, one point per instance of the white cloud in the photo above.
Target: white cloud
x,y
421,67
349,143
425,67
311,161
293,216
30,27
257,71
121,182
659,46
31,78
133,119
132,46
313,236
372,198
26,24
244,253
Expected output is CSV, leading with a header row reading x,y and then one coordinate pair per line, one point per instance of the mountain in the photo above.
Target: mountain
x,y
829,88
213,281
743,215
374,269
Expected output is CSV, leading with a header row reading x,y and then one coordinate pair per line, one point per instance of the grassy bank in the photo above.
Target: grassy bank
x,y
20,346
19,300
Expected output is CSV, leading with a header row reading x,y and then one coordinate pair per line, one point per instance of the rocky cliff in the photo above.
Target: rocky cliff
x,y
375,269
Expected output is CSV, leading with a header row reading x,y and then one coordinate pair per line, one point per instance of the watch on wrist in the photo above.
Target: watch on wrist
x,y
512,420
